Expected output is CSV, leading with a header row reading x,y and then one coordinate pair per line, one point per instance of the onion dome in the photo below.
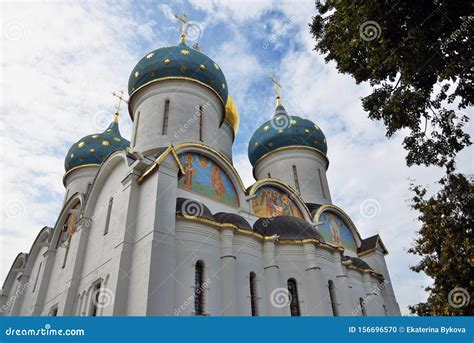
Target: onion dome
x,y
182,63
94,149
284,130
232,114
232,218
287,227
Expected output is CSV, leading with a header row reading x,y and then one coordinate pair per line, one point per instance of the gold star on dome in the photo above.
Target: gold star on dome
x,y
81,144
256,143
185,52
167,61
306,131
150,55
137,73
105,143
270,144
317,127
216,66
293,121
202,67
184,69
92,151
95,136
116,139
223,86
280,131
266,128
72,155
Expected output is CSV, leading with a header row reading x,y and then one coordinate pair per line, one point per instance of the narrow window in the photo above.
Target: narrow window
x,y
385,310
107,218
95,300
362,307
135,128
253,294
166,117
199,288
294,302
297,183
332,297
54,311
269,175
37,276
201,123
321,183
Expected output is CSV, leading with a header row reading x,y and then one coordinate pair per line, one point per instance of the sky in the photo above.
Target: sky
x,y
62,60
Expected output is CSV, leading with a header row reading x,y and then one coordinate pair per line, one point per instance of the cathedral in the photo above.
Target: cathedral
x,y
162,225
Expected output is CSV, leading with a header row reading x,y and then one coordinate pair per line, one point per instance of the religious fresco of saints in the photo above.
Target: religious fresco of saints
x,y
204,177
271,202
336,232
69,227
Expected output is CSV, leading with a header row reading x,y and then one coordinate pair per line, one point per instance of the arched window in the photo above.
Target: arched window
x,y
199,288
332,297
362,307
385,310
294,301
95,299
253,294
201,123
166,117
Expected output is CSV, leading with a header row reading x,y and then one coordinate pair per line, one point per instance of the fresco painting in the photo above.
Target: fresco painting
x,y
335,231
202,176
271,202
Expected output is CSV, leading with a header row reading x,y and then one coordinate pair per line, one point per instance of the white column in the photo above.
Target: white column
x,y
229,293
341,284
316,300
272,277
23,280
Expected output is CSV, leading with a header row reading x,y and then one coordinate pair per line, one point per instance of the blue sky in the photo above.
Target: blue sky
x,y
61,61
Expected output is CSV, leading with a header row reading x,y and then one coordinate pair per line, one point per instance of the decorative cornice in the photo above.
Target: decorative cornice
x,y
158,161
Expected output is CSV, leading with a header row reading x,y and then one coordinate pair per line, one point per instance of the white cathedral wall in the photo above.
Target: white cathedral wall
x,y
79,180
225,139
36,276
148,107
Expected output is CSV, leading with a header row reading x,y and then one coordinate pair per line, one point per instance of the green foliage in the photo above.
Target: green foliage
x,y
417,56
445,242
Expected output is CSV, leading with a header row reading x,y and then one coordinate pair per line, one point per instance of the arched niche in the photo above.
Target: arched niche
x,y
209,174
273,198
66,224
337,228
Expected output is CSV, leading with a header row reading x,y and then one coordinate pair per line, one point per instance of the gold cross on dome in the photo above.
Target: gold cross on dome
x,y
185,24
120,99
277,87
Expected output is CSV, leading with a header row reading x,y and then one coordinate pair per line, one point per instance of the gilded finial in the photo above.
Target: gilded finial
x,y
277,86
184,27
117,107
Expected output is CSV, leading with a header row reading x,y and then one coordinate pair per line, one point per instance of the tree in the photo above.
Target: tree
x,y
446,244
417,56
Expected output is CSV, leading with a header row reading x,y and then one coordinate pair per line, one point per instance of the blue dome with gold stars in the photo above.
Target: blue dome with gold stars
x,y
94,149
284,130
178,62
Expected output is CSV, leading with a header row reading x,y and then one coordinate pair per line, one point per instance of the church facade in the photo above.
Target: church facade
x,y
163,225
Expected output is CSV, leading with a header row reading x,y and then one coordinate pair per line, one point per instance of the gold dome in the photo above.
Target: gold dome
x,y
232,115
